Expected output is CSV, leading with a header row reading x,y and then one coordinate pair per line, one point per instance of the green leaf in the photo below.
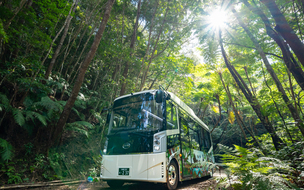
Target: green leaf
x,y
18,116
6,150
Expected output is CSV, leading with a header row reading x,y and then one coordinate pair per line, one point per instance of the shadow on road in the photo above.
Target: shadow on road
x,y
152,186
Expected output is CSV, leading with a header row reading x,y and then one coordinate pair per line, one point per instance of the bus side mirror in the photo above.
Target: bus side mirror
x,y
108,118
159,96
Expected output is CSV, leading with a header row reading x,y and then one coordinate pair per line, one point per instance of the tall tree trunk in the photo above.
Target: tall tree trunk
x,y
126,69
70,80
280,88
285,30
144,77
70,103
233,107
277,141
220,110
148,46
57,51
277,107
21,4
288,58
252,89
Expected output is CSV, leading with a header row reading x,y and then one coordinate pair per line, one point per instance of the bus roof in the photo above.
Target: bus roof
x,y
175,99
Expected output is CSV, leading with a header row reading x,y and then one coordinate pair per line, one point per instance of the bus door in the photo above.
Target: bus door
x,y
185,148
196,153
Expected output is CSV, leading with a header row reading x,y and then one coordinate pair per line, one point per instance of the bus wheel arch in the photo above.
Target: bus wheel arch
x,y
173,174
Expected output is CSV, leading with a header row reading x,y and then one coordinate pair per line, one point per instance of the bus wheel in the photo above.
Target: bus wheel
x,y
212,172
172,177
115,183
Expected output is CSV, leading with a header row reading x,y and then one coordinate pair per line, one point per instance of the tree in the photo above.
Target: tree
x,y
70,103
285,30
252,100
290,106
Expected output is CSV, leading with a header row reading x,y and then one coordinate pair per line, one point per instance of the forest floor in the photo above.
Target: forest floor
x,y
202,183
195,184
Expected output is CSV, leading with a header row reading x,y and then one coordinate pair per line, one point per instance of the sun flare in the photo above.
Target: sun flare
x,y
218,18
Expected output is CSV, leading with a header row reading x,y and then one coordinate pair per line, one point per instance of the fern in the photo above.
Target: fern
x,y
32,115
80,102
256,171
4,102
51,106
80,127
18,116
6,150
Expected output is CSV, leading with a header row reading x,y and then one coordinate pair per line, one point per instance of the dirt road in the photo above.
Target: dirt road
x,y
203,183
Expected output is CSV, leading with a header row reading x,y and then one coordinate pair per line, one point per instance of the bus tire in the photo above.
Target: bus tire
x,y
211,173
172,175
115,183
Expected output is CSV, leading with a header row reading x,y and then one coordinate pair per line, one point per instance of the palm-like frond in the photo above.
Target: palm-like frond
x,y
80,127
51,106
32,115
18,116
4,102
6,150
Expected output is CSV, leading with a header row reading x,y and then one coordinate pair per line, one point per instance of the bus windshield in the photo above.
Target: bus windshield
x,y
137,113
135,119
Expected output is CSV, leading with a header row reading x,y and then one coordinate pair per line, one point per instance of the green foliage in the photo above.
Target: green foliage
x,y
14,176
6,150
3,35
18,116
255,171
4,102
80,127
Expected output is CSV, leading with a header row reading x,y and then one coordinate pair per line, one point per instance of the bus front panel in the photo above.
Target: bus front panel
x,y
135,167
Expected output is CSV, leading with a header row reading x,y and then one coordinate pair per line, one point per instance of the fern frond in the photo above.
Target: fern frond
x,y
80,103
32,115
41,118
77,129
75,110
83,123
279,182
79,126
29,115
47,103
28,102
226,149
4,100
62,103
18,116
275,163
7,150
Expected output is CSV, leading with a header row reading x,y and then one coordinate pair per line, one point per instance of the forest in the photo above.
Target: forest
x,y
237,63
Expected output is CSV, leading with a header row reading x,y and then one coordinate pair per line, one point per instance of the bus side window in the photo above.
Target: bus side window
x,y
194,139
205,139
171,116
172,141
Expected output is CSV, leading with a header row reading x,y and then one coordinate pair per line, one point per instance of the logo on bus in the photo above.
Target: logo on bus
x,y
126,145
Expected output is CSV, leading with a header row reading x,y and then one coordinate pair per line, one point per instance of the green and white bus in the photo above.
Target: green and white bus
x,y
155,137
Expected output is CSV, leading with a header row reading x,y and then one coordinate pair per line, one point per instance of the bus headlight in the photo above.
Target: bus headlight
x,y
159,142
156,148
156,143
156,140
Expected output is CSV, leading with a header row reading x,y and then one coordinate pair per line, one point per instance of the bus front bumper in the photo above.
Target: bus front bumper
x,y
135,167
